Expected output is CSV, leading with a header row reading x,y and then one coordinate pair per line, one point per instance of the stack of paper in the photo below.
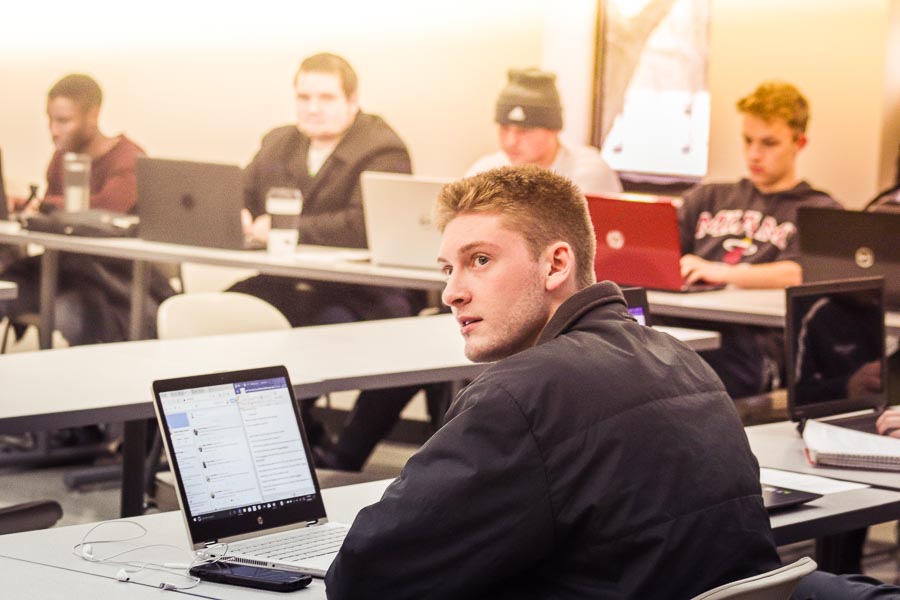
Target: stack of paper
x,y
838,446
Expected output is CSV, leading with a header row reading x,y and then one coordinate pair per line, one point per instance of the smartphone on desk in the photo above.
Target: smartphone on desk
x,y
262,578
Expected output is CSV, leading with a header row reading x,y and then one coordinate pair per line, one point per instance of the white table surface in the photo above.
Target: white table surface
x,y
311,262
53,547
779,446
112,382
732,305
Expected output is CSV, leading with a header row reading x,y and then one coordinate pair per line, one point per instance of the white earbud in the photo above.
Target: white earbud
x,y
122,575
88,551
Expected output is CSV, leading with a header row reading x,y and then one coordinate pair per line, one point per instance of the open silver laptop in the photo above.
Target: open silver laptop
x,y
243,469
398,213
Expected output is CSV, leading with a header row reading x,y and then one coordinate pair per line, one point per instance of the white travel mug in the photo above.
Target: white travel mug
x,y
284,206
76,181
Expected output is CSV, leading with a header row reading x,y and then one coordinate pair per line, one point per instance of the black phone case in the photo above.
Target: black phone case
x,y
261,584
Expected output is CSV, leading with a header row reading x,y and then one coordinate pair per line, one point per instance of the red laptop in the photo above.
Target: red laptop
x,y
638,242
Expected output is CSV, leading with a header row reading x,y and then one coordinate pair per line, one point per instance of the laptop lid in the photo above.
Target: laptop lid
x,y
193,203
638,305
835,347
836,244
776,498
238,450
638,242
398,212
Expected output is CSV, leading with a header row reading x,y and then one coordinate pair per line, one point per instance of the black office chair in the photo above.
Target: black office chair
x,y
29,515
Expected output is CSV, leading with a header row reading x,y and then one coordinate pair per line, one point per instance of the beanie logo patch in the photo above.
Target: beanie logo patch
x,y
516,114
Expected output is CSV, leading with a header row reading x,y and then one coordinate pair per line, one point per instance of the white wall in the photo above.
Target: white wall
x,y
196,80
836,52
203,80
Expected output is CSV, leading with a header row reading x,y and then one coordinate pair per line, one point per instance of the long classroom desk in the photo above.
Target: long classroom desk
x,y
111,382
321,263
779,446
48,553
765,308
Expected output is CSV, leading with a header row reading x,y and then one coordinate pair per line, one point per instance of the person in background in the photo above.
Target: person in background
x,y
323,155
93,298
529,119
558,472
73,112
745,234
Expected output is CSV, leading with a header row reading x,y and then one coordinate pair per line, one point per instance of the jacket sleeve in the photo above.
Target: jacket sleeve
x,y
346,224
254,196
470,510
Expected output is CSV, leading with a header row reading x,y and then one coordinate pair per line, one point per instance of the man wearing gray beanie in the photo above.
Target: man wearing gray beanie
x,y
529,119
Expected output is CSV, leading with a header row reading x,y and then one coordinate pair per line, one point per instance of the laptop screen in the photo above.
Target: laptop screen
x,y
236,445
835,343
638,306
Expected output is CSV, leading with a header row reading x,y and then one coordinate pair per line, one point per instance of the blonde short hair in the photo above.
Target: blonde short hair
x,y
777,100
541,205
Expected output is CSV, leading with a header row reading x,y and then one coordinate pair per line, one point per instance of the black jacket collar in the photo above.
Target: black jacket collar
x,y
583,301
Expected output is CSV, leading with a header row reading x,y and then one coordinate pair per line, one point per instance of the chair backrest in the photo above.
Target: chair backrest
x,y
211,313
29,515
773,585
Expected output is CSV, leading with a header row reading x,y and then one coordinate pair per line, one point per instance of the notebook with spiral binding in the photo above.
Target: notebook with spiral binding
x,y
841,447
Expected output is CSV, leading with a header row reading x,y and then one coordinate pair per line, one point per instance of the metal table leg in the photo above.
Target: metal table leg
x,y
140,281
134,452
49,277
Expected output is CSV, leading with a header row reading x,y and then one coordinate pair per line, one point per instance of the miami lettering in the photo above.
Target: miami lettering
x,y
746,224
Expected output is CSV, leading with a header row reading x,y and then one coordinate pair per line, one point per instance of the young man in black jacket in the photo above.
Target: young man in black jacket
x,y
596,459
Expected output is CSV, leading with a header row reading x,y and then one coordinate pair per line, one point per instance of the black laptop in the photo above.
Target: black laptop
x,y
835,352
193,203
837,244
777,498
638,306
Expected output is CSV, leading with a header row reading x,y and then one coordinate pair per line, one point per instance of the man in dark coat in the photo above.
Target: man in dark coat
x,y
597,458
323,156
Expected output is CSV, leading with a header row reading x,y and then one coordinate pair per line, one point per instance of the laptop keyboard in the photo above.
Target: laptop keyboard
x,y
295,546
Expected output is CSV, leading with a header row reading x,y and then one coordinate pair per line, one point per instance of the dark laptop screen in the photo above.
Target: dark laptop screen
x,y
835,342
638,306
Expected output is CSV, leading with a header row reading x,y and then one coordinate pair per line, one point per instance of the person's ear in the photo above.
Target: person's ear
x,y
801,141
93,115
560,265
